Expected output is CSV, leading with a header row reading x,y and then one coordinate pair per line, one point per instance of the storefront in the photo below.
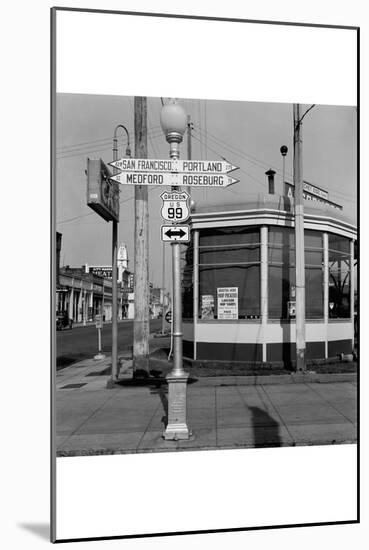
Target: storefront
x,y
239,283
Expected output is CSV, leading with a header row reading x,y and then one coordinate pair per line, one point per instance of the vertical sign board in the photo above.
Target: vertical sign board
x,y
102,193
207,306
227,302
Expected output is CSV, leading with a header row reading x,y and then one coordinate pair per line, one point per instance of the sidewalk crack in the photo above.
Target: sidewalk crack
x,y
329,403
147,427
93,413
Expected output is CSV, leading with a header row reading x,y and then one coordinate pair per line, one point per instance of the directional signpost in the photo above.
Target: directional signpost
x,y
175,209
175,233
173,165
174,173
175,206
195,179
189,173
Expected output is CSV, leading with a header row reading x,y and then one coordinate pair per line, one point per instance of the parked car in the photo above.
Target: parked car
x,y
63,320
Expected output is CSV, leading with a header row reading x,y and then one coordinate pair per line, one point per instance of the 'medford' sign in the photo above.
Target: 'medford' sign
x,y
174,179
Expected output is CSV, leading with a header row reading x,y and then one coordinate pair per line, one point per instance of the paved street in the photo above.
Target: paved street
x,y
81,342
223,412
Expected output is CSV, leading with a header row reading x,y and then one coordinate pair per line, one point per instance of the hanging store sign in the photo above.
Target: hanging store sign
x,y
170,166
227,302
175,207
102,193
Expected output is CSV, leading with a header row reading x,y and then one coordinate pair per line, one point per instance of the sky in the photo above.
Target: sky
x,y
248,134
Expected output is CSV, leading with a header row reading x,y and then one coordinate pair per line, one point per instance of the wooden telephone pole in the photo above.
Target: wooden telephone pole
x,y
141,328
299,239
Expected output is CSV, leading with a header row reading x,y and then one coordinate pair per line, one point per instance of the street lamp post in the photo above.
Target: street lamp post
x,y
114,267
163,292
174,121
284,151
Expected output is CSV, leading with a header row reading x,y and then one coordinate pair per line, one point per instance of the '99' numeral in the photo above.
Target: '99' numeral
x,y
175,213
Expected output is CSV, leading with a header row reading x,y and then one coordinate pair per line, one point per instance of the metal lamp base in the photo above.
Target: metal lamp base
x,y
177,408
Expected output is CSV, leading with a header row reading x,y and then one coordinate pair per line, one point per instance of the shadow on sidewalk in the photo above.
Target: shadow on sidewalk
x,y
162,391
265,428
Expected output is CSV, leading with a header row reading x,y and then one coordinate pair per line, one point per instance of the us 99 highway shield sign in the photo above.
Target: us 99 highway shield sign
x,y
175,207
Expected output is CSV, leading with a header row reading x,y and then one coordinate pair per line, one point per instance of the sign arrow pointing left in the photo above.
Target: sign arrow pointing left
x,y
172,233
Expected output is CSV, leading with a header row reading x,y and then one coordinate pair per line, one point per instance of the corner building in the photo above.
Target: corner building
x,y
239,282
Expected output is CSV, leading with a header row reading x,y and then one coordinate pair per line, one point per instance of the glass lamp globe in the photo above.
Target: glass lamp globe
x,y
173,120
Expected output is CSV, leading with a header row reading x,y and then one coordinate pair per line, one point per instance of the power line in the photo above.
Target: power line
x,y
91,213
85,152
82,145
242,170
109,139
262,164
237,151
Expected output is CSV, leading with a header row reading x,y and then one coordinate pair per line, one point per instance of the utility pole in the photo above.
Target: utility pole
x,y
299,239
114,268
189,145
141,327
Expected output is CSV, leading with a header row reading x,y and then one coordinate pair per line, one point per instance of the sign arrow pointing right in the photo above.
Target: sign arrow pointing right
x,y
172,233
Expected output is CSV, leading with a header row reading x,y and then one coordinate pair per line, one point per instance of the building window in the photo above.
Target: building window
x,y
229,273
282,274
339,277
314,275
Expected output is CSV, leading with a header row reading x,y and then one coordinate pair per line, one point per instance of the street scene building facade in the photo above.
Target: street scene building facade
x,y
260,300
85,292
239,282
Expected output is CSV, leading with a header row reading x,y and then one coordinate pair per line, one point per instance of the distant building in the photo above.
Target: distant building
x,y
85,295
58,249
124,278
156,304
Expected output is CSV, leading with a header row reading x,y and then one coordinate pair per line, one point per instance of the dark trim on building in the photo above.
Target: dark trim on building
x,y
188,349
225,351
286,351
335,347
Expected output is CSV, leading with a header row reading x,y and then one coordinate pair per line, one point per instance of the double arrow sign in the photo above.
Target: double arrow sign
x,y
172,233
188,173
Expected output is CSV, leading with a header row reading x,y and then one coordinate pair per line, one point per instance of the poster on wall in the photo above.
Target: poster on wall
x,y
120,423
227,302
207,306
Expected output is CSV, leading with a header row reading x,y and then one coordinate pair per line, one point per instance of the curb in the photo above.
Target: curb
x,y
256,380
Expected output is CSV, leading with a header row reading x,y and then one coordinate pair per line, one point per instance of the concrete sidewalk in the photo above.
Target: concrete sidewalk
x,y
223,412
